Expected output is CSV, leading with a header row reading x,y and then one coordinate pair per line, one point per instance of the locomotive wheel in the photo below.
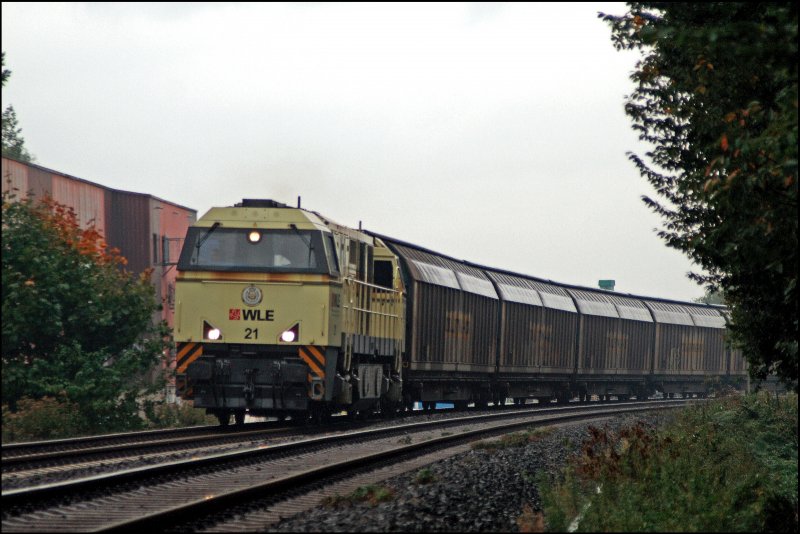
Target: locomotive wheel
x,y
299,418
238,417
224,418
388,408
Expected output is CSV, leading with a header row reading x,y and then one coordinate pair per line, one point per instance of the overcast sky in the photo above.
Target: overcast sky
x,y
489,132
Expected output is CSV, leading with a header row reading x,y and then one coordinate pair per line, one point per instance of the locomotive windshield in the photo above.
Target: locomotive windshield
x,y
242,249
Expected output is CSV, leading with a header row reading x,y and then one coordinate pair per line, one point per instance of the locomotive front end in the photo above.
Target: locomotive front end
x,y
257,311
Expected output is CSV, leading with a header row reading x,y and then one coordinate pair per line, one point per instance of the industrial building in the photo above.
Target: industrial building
x,y
147,230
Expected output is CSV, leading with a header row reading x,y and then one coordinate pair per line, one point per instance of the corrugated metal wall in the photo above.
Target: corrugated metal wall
x,y
453,322
137,224
737,364
616,334
690,340
539,326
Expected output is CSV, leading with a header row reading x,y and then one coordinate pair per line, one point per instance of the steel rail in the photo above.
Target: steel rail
x,y
35,496
216,504
13,463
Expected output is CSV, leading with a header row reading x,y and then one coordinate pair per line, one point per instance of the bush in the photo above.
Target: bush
x,y
164,415
77,325
728,465
39,419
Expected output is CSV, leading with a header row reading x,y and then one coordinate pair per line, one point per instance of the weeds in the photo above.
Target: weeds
x,y
368,494
424,476
517,439
530,521
728,465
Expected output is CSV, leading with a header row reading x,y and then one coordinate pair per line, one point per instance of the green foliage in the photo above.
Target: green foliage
x,y
712,297
76,325
6,72
424,476
13,144
716,96
163,415
45,418
729,465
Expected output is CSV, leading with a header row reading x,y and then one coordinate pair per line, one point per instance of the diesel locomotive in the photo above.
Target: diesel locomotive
x,y
283,312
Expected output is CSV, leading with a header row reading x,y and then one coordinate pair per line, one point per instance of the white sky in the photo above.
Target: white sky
x,y
489,132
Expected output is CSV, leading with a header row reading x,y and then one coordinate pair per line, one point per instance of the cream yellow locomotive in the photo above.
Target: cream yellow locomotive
x,y
282,312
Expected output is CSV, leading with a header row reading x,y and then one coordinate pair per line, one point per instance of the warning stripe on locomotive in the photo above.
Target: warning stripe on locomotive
x,y
315,358
187,353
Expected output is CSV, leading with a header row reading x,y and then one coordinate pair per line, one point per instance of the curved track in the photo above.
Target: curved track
x,y
175,493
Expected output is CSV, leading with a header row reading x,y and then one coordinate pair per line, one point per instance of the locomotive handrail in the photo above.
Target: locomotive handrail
x,y
376,312
367,284
372,310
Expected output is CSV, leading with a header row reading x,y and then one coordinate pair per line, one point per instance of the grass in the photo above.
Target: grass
x,y
516,439
370,494
424,476
725,466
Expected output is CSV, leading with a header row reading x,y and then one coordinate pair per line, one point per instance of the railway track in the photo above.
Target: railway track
x,y
117,453
14,453
174,494
56,460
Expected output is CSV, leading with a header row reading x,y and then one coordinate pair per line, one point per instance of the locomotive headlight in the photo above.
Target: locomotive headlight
x,y
291,335
254,236
288,336
210,332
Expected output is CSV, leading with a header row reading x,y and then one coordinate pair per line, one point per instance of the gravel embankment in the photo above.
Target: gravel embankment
x,y
480,490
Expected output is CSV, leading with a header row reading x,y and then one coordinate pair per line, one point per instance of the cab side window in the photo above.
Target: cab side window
x,y
383,274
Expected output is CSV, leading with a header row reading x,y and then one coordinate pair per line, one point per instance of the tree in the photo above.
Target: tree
x,y
13,143
76,324
716,96
715,298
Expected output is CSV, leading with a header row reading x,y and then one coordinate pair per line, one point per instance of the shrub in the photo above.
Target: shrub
x,y
39,419
728,465
165,415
